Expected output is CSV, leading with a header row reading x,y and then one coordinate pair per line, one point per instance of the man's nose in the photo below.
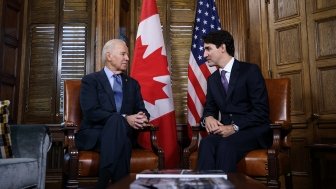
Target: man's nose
x,y
205,54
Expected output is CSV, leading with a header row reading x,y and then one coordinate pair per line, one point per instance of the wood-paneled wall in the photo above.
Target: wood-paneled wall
x,y
287,38
10,53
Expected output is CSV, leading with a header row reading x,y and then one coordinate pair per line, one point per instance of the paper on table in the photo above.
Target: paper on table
x,y
181,173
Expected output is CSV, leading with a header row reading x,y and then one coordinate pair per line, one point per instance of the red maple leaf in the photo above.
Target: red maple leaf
x,y
144,71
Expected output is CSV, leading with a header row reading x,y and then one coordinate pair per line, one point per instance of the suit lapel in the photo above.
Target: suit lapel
x,y
124,83
233,78
107,86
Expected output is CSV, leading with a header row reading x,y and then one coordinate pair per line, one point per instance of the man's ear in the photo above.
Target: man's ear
x,y
223,48
108,56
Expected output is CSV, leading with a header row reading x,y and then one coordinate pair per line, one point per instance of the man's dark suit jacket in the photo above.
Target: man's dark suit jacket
x,y
98,105
246,101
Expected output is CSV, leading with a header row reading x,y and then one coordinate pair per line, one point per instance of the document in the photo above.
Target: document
x,y
181,173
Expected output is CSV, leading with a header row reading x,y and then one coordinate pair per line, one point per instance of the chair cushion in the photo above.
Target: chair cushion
x,y
143,159
88,163
140,160
18,172
254,163
5,138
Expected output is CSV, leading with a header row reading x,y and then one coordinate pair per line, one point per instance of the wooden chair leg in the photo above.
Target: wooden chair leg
x,y
289,181
69,183
70,170
273,170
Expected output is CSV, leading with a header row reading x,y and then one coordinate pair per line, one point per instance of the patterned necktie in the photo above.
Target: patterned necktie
x,y
117,88
224,80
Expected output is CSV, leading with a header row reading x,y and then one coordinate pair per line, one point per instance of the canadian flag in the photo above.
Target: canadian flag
x,y
150,69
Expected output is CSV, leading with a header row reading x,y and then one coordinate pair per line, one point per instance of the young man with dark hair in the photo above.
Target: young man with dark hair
x,y
236,113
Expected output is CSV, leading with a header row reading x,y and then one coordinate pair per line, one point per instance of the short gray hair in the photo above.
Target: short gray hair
x,y
109,46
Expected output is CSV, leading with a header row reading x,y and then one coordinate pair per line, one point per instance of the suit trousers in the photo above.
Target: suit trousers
x,y
217,152
115,149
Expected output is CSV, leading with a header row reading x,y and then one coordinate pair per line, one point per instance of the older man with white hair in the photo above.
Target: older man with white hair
x,y
113,109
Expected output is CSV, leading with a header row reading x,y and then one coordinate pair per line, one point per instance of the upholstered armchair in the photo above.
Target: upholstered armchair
x,y
266,164
81,166
27,166
23,153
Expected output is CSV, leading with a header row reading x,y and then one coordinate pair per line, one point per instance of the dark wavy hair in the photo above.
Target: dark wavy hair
x,y
219,37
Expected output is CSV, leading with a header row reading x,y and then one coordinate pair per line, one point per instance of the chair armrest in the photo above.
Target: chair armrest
x,y
69,129
70,166
32,141
28,140
154,143
276,127
280,130
193,146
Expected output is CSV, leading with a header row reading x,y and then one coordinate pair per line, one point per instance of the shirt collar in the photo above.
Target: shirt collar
x,y
108,72
228,66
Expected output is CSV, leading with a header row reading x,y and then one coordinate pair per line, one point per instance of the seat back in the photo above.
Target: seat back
x,y
279,99
72,110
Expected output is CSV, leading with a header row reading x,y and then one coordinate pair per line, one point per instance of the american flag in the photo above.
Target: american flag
x,y
206,20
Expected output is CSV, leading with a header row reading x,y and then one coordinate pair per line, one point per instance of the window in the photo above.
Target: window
x,y
58,48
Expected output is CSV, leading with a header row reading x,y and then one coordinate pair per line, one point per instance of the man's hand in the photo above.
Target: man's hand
x,y
225,131
137,121
212,124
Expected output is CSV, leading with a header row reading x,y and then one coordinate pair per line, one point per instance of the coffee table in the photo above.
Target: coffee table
x,y
239,180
